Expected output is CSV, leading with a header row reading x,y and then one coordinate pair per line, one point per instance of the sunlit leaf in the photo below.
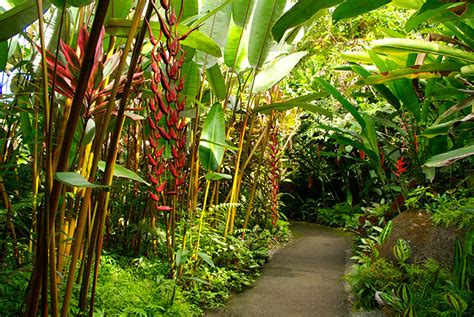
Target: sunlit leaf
x,y
301,12
121,171
75,180
276,71
448,158
217,176
206,258
266,14
210,154
16,19
217,82
353,8
405,46
241,11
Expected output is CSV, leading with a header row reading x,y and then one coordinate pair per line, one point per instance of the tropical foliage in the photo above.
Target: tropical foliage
x,y
153,145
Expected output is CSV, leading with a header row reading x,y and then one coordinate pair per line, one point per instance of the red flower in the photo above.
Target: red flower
x,y
400,166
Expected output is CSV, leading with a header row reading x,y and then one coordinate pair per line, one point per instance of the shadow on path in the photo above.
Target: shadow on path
x,y
303,279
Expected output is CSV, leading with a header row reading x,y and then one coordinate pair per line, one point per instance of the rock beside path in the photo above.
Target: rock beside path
x,y
425,239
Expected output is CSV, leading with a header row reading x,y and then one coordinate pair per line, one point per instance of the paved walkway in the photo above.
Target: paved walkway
x,y
303,279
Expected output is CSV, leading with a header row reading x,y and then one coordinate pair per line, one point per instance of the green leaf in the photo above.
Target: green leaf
x,y
212,8
120,171
241,11
190,8
75,180
448,158
345,140
353,8
266,14
216,26
192,79
210,154
211,176
206,258
118,9
216,81
234,51
283,106
181,256
276,71
430,173
196,39
3,55
435,70
345,103
89,131
16,19
72,3
225,145
405,46
428,10
408,4
301,12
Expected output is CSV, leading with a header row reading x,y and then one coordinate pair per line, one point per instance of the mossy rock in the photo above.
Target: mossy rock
x,y
425,239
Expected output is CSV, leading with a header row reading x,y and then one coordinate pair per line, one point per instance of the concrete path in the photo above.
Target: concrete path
x,y
303,279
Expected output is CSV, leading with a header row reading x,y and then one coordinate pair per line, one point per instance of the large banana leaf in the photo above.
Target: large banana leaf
x,y
235,50
276,71
266,13
353,8
192,78
217,82
241,11
190,8
301,12
210,153
119,9
448,158
216,27
3,55
19,17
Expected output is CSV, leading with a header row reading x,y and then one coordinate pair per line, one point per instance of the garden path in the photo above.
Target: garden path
x,y
303,279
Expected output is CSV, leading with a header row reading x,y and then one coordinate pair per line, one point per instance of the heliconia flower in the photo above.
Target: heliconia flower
x,y
415,141
160,188
167,128
400,167
152,179
275,173
164,208
153,196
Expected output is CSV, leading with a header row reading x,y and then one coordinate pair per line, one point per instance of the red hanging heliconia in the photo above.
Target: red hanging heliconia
x,y
167,137
275,173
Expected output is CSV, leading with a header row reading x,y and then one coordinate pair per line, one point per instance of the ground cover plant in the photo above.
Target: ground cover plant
x,y
152,151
